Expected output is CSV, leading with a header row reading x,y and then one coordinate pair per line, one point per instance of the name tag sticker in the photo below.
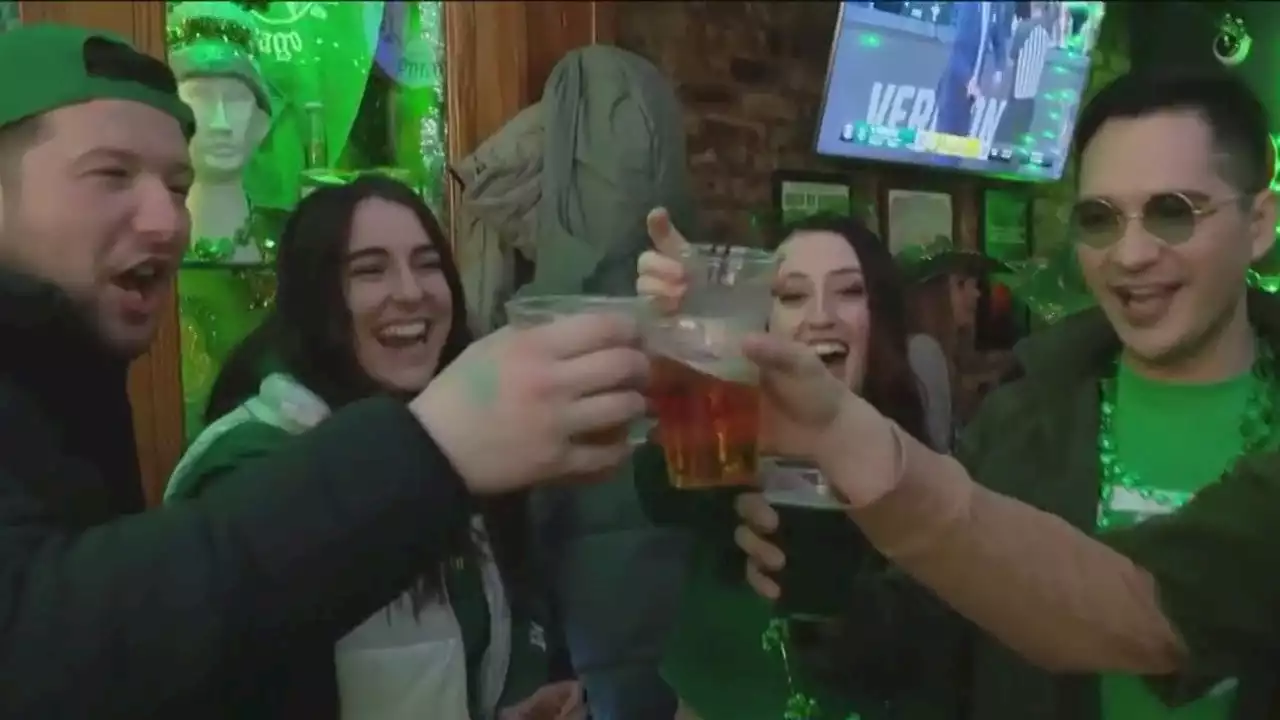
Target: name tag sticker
x,y
1146,503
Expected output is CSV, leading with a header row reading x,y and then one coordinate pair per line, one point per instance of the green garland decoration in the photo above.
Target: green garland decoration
x,y
195,29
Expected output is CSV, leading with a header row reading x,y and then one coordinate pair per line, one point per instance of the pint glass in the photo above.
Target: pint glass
x,y
703,391
540,309
824,548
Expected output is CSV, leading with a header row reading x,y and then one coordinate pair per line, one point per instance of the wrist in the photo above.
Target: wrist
x,y
428,409
863,453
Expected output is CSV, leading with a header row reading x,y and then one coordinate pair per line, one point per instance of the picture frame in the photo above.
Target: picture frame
x,y
1006,221
918,216
801,193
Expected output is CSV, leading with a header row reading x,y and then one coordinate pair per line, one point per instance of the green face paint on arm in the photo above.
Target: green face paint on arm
x,y
482,381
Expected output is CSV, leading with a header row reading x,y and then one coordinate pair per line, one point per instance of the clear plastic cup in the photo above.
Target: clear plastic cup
x,y
541,309
703,390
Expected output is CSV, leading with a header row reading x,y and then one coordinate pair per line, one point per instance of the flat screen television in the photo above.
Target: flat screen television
x,y
982,87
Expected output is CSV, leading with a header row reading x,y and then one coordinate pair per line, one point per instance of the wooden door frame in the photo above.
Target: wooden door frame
x,y
490,76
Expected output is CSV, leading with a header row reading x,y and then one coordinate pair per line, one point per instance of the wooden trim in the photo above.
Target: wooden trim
x,y
485,79
555,28
485,75
500,54
604,22
132,20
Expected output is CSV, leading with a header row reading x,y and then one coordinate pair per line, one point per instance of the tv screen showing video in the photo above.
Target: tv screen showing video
x,y
983,87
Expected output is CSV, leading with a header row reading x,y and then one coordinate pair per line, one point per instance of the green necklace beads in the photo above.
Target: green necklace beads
x,y
800,706
1255,432
218,249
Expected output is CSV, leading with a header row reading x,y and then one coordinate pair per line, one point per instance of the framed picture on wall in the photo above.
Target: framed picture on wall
x,y
917,217
1006,224
1005,235
798,194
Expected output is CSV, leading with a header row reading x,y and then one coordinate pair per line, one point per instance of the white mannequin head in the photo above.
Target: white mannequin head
x,y
229,126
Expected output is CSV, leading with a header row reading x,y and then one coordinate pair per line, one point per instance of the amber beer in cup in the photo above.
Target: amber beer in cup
x,y
702,390
541,309
707,425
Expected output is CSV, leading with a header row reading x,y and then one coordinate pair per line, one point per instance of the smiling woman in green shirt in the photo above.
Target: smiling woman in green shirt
x,y
369,302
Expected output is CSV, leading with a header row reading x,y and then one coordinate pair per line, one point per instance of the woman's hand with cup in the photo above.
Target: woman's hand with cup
x,y
806,410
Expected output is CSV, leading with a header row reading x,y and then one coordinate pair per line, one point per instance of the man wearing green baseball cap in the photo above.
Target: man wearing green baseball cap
x,y
110,611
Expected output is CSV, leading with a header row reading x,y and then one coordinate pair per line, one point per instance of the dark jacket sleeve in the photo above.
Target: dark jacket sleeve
x,y
150,615
1214,562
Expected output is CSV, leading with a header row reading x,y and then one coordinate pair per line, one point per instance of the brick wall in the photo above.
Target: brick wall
x,y
751,76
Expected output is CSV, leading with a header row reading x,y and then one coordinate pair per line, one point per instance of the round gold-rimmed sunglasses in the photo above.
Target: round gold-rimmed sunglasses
x,y
1170,217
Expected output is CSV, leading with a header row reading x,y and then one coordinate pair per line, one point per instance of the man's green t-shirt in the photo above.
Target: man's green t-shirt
x,y
1176,438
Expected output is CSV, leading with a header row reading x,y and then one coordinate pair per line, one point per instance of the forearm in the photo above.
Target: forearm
x,y
152,614
1056,596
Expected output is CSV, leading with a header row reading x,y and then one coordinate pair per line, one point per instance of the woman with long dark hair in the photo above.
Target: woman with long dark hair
x,y
836,290
369,301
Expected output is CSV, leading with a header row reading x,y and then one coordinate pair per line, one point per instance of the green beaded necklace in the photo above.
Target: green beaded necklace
x,y
800,706
1255,432
217,250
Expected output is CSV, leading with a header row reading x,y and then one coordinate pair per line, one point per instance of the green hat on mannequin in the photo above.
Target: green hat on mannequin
x,y
215,39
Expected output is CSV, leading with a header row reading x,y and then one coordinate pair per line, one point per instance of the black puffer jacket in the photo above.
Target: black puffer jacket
x,y
108,612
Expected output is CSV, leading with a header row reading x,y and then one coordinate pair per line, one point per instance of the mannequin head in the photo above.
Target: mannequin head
x,y
230,125
213,60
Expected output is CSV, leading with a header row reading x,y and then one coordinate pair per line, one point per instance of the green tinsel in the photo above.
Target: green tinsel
x,y
195,29
433,137
776,638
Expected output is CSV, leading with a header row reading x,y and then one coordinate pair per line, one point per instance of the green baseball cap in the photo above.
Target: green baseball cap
x,y
52,66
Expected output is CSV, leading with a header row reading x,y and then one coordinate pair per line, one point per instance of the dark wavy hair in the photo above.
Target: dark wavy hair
x,y
308,334
889,384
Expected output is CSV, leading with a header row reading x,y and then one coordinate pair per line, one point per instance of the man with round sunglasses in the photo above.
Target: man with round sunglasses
x,y
1147,423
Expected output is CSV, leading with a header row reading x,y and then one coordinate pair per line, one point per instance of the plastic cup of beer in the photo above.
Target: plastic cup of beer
x,y
704,392
824,548
536,310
